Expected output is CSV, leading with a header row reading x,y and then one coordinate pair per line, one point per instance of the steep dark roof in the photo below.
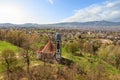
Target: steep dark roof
x,y
58,36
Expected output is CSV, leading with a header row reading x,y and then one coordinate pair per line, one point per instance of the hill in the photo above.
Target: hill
x,y
83,67
91,25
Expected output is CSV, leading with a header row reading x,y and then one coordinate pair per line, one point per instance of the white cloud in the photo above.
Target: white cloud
x,y
106,11
51,1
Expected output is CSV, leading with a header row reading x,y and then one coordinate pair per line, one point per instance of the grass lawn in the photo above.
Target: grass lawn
x,y
5,45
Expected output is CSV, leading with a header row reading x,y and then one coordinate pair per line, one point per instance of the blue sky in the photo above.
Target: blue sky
x,y
53,11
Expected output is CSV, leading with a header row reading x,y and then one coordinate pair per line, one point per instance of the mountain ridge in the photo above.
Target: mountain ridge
x,y
88,25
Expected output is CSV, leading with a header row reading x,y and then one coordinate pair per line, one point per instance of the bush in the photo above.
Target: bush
x,y
72,47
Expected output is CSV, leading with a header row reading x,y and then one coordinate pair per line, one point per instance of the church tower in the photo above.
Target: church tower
x,y
58,42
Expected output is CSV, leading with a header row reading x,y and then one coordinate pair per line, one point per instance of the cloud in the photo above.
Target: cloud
x,y
51,1
106,11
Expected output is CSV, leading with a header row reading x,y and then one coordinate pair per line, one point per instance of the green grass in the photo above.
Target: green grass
x,y
111,69
5,45
90,62
38,45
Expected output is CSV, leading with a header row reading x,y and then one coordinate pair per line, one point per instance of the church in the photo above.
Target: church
x,y
51,51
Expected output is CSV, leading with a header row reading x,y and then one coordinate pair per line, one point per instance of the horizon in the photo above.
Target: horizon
x,y
58,11
58,22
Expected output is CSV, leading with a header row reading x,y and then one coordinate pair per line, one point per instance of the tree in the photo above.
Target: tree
x,y
26,55
117,60
88,47
29,46
95,46
8,61
72,47
91,47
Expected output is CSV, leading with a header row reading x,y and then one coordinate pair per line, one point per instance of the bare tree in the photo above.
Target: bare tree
x,y
8,61
117,60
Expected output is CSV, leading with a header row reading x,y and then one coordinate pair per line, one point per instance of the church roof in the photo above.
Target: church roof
x,y
49,48
58,36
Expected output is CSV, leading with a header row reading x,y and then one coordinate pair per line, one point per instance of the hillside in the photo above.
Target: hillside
x,y
82,58
87,61
5,45
86,64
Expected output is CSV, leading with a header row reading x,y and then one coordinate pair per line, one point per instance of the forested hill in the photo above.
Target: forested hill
x,y
96,25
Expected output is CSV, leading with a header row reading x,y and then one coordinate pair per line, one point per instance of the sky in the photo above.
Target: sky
x,y
55,11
